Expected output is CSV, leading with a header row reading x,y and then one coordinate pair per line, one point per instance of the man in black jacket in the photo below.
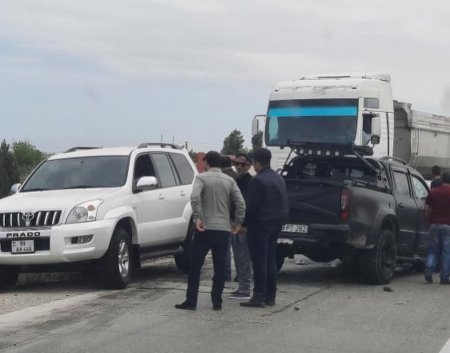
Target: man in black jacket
x,y
242,261
267,209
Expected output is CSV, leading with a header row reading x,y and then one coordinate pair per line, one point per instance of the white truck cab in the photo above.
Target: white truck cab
x,y
351,109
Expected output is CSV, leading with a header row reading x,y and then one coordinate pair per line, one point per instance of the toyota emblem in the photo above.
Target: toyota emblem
x,y
27,217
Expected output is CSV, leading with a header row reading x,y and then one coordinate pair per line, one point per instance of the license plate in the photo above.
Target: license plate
x,y
285,241
22,246
295,228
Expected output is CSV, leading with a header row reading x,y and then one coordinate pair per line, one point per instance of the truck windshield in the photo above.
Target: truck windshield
x,y
314,120
79,173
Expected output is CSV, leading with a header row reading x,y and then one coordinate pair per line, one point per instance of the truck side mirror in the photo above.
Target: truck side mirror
x,y
255,127
255,124
376,126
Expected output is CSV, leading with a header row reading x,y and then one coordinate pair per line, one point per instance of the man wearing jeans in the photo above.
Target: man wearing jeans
x,y
242,260
438,202
213,196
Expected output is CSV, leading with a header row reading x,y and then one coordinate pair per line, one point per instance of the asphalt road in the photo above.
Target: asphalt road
x,y
320,309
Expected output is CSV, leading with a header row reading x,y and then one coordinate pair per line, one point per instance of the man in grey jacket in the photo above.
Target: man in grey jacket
x,y
212,198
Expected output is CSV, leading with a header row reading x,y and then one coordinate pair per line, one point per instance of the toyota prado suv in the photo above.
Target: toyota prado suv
x,y
99,209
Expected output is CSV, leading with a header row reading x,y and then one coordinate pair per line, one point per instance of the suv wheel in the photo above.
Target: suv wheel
x,y
8,276
116,264
182,260
378,264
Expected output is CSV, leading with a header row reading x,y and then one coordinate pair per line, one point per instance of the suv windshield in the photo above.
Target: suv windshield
x,y
82,172
313,120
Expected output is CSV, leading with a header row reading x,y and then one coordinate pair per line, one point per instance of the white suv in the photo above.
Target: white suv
x,y
103,207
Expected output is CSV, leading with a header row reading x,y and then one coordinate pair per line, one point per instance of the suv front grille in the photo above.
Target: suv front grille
x,y
29,219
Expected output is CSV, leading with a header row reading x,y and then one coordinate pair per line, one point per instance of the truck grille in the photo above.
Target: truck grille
x,y
29,219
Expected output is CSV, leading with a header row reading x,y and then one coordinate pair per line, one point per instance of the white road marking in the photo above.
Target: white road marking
x,y
39,312
446,348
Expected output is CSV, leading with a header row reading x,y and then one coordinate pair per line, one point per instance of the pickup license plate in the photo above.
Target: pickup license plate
x,y
22,246
295,228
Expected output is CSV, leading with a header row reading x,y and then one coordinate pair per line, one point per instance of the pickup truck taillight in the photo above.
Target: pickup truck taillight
x,y
345,205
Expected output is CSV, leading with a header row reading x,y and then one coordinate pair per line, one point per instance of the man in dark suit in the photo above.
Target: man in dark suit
x,y
267,209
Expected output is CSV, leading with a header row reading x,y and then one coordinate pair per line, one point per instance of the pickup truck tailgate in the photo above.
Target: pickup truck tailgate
x,y
314,201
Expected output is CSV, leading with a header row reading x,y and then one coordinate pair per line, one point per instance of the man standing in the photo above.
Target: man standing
x,y
438,201
436,173
212,197
226,167
241,254
267,209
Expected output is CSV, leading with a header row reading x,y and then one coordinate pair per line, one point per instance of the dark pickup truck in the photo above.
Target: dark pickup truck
x,y
368,212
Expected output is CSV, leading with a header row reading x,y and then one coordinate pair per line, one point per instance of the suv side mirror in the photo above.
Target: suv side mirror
x,y
15,188
146,183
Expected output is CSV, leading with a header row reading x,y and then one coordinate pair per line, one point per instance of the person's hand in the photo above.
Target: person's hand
x,y
199,225
235,228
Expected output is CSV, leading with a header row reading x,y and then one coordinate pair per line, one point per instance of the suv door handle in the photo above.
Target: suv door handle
x,y
182,193
161,197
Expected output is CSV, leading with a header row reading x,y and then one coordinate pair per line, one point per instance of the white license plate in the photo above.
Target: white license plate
x,y
285,241
295,228
22,246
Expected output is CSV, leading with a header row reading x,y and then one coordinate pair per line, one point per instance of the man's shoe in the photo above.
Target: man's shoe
x,y
253,304
240,295
444,281
270,302
185,306
217,307
428,278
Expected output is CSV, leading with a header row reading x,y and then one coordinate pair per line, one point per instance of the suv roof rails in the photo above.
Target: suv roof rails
x,y
395,159
73,149
160,144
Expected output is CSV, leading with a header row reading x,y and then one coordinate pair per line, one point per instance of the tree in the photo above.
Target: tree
x,y
234,143
27,157
257,140
8,169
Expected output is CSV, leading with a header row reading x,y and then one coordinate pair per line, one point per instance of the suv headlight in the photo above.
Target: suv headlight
x,y
84,212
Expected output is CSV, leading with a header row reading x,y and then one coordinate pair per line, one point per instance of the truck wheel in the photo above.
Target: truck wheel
x,y
378,264
116,264
182,260
8,276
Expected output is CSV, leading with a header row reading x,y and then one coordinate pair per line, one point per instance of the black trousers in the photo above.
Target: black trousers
x,y
217,241
262,245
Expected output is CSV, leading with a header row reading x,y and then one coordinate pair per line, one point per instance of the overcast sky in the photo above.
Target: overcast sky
x,y
111,73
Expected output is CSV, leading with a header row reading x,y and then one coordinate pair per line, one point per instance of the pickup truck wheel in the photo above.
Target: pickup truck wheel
x,y
182,260
8,276
378,264
116,264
